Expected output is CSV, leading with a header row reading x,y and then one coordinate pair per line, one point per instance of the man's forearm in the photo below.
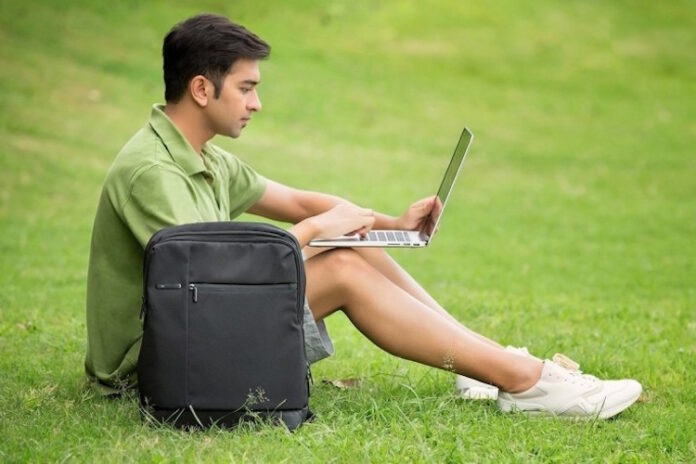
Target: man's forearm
x,y
383,221
314,203
304,231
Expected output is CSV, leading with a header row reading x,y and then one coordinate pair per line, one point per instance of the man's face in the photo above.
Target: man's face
x,y
230,113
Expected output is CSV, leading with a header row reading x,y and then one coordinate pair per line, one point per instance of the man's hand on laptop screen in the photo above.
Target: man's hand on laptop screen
x,y
421,215
429,227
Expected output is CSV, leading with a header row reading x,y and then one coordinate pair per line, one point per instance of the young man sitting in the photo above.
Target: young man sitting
x,y
169,173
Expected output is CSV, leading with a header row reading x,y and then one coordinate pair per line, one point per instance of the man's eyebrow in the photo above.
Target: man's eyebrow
x,y
250,82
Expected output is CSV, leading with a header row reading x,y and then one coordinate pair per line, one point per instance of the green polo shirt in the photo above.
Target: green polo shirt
x,y
157,180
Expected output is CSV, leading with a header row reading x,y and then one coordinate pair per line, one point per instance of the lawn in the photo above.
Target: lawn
x,y
572,228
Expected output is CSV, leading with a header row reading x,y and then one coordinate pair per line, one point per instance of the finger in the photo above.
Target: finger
x,y
429,202
365,225
361,232
429,199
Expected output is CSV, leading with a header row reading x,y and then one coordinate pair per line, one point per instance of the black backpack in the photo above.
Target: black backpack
x,y
222,326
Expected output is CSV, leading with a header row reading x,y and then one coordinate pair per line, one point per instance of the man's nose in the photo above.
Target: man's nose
x,y
254,103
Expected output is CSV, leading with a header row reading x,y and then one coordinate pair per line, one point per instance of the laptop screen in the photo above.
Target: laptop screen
x,y
448,181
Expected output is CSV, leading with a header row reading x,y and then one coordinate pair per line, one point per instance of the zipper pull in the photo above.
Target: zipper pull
x,y
194,289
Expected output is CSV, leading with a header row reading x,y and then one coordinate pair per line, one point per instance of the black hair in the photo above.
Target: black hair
x,y
206,44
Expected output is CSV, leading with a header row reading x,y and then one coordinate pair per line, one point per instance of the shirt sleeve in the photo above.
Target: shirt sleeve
x,y
159,197
246,185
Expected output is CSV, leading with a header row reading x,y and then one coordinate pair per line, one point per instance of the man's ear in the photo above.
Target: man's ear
x,y
200,89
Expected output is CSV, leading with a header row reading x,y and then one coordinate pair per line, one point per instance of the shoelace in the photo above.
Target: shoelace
x,y
566,363
573,368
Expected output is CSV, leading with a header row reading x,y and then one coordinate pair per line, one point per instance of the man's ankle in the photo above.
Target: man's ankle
x,y
525,377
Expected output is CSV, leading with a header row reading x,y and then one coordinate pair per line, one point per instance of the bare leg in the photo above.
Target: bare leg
x,y
404,326
385,264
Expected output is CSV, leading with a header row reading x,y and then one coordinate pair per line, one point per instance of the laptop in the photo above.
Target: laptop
x,y
410,238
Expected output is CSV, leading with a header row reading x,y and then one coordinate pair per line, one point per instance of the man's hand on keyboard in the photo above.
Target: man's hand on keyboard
x,y
343,219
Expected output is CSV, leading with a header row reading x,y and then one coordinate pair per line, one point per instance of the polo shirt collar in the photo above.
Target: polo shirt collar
x,y
177,145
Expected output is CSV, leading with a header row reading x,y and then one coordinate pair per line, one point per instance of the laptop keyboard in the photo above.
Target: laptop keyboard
x,y
389,236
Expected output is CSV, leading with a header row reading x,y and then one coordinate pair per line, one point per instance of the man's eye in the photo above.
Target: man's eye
x,y
245,89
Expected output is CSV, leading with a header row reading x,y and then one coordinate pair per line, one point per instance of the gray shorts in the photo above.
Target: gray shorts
x,y
318,344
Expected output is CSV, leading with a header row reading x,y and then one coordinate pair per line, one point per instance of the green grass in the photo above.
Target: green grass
x,y
572,228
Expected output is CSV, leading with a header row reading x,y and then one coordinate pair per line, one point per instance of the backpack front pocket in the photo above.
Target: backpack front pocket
x,y
255,333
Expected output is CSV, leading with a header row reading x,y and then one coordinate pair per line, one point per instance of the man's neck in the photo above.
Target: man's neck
x,y
190,126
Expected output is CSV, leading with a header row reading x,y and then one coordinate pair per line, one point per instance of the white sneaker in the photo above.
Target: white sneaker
x,y
472,389
568,392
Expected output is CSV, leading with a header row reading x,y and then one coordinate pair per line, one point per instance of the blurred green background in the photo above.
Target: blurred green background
x,y
571,229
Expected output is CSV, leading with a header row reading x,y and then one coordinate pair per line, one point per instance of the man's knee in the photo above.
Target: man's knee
x,y
345,266
344,263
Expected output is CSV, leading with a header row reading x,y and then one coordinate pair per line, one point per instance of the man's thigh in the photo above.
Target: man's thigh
x,y
323,282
